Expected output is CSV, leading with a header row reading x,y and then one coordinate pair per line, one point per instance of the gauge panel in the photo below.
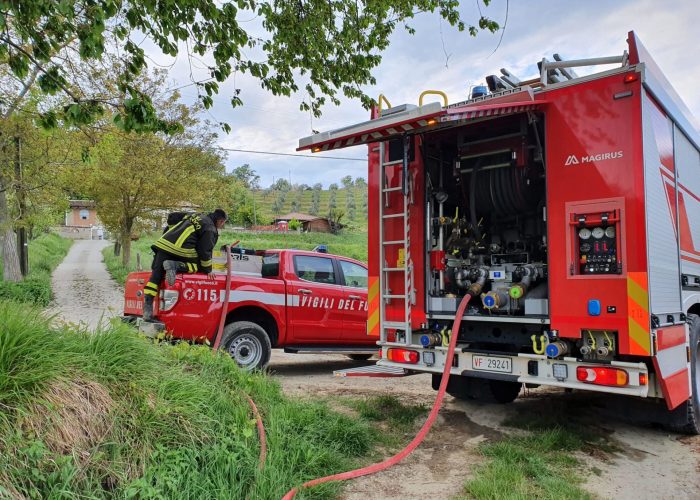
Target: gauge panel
x,y
597,250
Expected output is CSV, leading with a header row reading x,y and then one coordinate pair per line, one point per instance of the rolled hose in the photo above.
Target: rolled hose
x,y
371,469
217,341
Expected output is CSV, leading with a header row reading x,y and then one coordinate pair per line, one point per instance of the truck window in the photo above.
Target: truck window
x,y
316,269
355,275
270,265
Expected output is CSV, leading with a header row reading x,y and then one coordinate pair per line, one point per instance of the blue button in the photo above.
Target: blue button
x,y
594,307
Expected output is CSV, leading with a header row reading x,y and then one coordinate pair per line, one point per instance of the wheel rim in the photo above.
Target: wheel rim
x,y
697,371
246,350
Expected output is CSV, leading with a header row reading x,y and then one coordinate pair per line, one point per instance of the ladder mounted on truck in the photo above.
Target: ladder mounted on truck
x,y
404,265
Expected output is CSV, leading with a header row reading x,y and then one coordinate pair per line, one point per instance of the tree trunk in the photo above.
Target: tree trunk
x,y
11,269
117,248
126,252
126,243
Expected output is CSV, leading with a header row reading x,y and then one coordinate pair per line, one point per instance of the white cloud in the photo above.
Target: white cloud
x,y
535,29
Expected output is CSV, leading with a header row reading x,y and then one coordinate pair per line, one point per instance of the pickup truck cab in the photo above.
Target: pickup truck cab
x,y
299,301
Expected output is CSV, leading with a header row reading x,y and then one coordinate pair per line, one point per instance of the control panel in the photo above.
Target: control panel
x,y
596,243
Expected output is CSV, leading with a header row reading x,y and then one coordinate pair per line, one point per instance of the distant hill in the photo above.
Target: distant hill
x,y
301,200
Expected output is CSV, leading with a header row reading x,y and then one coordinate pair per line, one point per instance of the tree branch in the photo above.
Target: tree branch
x,y
25,88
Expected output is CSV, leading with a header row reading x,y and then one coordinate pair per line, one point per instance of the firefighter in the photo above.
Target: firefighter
x,y
185,247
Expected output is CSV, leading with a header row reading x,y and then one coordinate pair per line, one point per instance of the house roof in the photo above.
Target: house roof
x,y
298,216
81,203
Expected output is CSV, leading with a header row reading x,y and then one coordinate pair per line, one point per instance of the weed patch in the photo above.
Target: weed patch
x,y
108,414
541,462
389,409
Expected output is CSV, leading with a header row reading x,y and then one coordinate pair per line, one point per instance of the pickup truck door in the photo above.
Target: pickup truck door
x,y
314,295
354,307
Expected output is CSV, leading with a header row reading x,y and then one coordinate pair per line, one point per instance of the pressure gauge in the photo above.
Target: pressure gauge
x,y
598,233
584,233
610,232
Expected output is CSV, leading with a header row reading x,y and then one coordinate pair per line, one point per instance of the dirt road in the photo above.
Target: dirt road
x,y
650,463
83,289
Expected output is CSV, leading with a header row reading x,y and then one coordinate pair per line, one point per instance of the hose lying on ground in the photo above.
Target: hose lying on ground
x,y
217,341
423,431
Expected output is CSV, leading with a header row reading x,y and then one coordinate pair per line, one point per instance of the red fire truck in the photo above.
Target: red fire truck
x,y
566,206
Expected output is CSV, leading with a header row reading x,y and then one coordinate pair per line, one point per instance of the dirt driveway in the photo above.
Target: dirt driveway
x,y
84,291
651,463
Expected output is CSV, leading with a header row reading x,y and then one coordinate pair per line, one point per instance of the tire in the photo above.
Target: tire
x,y
686,418
482,390
248,345
360,357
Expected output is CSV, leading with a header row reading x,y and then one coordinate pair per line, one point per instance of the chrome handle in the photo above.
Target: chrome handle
x,y
304,291
355,297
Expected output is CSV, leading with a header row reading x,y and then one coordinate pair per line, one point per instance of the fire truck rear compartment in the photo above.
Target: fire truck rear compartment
x,y
486,195
486,228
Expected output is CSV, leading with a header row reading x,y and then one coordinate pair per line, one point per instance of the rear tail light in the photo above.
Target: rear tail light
x,y
402,356
601,375
168,299
631,77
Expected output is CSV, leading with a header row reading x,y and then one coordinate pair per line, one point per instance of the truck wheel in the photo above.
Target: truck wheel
x,y
483,390
360,357
248,344
686,418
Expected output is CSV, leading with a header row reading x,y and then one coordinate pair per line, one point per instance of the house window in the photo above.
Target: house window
x,y
84,214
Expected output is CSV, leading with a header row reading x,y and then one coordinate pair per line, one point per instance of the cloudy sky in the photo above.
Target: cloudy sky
x,y
437,57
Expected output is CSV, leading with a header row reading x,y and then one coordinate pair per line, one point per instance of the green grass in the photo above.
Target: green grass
x,y
389,409
538,465
108,414
538,462
45,253
348,244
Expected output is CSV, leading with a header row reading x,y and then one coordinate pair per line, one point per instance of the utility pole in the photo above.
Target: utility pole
x,y
22,245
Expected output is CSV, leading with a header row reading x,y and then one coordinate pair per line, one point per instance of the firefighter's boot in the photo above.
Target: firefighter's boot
x,y
172,267
148,308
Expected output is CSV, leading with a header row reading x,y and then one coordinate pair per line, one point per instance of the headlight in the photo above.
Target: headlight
x,y
168,299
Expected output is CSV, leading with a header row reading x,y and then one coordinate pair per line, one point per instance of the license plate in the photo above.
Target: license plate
x,y
492,364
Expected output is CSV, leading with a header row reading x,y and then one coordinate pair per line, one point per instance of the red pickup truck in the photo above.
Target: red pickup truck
x,y
297,300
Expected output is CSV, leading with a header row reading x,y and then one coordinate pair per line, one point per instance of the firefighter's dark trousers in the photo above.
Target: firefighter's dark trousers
x,y
158,272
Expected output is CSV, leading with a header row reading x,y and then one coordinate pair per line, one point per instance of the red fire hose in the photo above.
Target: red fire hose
x,y
423,431
217,341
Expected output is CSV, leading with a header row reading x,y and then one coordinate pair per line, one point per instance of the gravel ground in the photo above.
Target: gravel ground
x,y
84,292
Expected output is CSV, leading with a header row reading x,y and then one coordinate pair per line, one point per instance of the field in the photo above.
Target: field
x,y
265,200
349,244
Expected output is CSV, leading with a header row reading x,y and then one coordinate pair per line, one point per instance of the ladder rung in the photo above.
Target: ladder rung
x,y
393,162
395,324
389,190
395,242
393,216
393,269
395,297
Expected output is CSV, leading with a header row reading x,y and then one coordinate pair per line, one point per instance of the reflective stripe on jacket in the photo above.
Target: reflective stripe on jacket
x,y
192,239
